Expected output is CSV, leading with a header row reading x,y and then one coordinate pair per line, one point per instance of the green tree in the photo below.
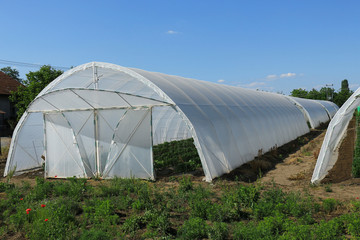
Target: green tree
x,y
327,93
345,86
314,94
301,93
13,73
34,83
344,93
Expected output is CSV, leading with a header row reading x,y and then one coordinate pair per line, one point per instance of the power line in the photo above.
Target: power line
x,y
32,65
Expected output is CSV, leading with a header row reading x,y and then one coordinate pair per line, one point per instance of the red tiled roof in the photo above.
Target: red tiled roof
x,y
7,84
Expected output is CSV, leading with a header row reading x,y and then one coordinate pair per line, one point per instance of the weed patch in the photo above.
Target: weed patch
x,y
135,209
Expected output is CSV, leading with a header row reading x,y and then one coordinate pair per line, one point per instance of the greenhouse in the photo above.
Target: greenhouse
x,y
102,120
336,132
316,112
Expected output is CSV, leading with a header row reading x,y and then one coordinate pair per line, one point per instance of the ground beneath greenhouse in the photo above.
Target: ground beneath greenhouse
x,y
289,167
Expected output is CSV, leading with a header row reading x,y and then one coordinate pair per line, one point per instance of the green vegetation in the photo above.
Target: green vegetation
x,y
33,85
326,93
356,161
179,156
12,72
136,209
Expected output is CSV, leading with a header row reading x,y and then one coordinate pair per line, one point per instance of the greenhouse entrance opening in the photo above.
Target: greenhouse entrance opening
x,y
99,143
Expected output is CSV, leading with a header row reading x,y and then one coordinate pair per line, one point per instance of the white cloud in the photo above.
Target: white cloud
x,y
317,87
284,75
354,86
255,84
221,81
172,32
271,76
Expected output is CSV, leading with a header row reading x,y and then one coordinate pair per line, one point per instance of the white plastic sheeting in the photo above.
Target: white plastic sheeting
x,y
330,107
337,127
313,111
121,112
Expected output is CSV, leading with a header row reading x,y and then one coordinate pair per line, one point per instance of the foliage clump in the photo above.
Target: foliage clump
x,y
180,156
35,82
326,93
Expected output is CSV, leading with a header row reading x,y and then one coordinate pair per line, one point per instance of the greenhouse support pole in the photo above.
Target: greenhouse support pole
x,y
97,152
96,125
151,144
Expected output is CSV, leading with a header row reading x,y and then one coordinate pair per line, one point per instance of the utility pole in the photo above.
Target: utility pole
x,y
327,91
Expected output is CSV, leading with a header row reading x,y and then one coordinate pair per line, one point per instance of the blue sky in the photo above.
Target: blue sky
x,y
273,45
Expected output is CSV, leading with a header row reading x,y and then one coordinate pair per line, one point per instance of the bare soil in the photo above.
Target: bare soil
x,y
342,168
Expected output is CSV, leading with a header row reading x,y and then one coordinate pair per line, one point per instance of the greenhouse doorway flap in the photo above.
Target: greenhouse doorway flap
x,y
99,143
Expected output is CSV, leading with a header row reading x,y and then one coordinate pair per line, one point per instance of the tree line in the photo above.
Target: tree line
x,y
326,93
34,83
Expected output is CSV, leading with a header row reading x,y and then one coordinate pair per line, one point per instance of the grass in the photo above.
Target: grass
x,y
136,209
4,152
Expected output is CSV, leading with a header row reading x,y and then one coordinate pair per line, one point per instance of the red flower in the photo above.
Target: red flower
x,y
21,199
46,220
28,210
357,197
43,205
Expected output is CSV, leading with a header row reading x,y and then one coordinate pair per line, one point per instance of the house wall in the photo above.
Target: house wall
x,y
5,105
9,110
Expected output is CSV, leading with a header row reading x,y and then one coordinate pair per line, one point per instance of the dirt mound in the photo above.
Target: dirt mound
x,y
342,168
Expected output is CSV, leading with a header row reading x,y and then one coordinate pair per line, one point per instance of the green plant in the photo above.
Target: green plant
x,y
219,212
194,228
218,231
42,190
11,174
132,224
185,184
5,186
274,225
296,232
351,222
271,201
95,234
180,156
249,231
329,205
328,188
158,221
75,188
240,201
56,220
100,213
332,229
199,208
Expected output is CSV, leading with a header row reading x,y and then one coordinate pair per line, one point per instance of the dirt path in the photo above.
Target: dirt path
x,y
295,173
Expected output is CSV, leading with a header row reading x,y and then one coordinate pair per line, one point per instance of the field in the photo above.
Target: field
x,y
268,198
